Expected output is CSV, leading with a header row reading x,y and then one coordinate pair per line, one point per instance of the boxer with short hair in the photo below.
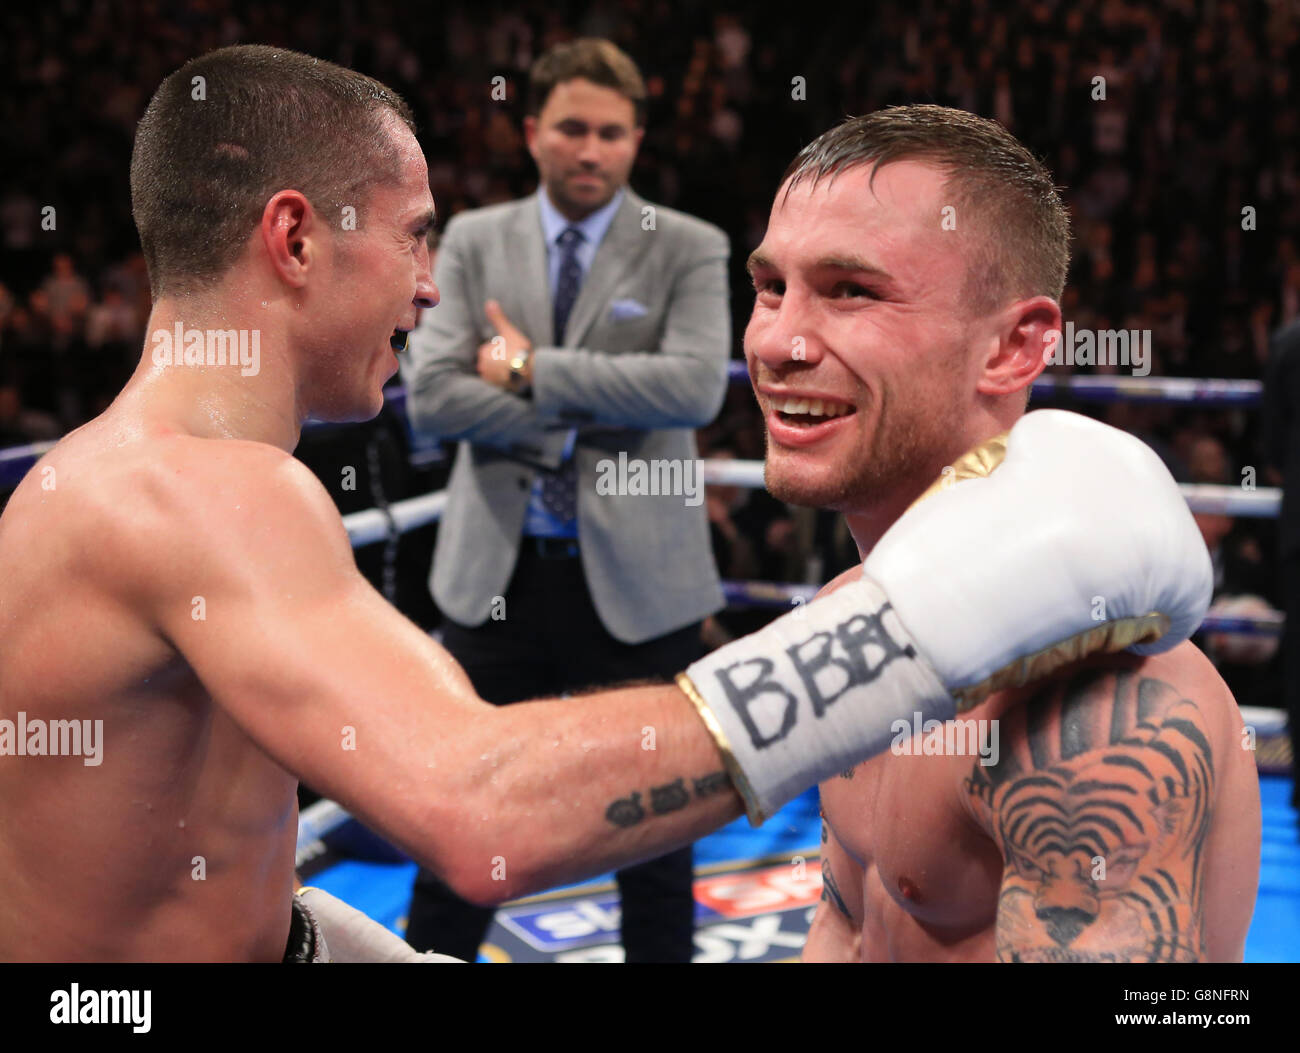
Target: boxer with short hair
x,y
170,570
907,290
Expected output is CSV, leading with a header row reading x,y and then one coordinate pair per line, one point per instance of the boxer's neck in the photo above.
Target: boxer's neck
x,y
869,526
254,396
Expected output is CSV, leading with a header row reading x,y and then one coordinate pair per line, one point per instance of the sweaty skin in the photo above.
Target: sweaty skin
x,y
180,844
1120,822
171,570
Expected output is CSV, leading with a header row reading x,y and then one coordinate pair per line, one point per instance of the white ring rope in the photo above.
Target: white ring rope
x,y
1263,503
1156,389
370,526
365,528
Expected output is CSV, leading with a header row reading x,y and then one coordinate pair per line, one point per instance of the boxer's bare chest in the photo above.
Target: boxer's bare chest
x,y
74,649
930,875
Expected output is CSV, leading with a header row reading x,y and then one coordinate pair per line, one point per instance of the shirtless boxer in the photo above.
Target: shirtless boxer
x,y
170,570
1121,820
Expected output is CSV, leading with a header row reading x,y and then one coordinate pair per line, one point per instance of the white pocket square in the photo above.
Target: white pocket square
x,y
623,310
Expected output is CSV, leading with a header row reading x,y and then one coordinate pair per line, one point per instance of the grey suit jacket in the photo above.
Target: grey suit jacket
x,y
632,383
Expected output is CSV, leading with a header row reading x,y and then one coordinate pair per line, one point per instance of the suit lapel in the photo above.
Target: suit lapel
x,y
525,258
622,243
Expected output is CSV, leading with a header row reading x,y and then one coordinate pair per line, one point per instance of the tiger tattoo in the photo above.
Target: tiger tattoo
x,y
1102,799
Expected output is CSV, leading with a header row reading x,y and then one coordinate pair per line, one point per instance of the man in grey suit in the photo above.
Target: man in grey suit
x,y
582,335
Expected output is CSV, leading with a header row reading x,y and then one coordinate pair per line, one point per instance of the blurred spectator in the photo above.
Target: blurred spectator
x,y
1281,445
1196,123
111,321
67,296
20,425
1243,584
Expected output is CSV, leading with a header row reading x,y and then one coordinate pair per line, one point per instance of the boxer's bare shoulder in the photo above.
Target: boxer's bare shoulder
x,y
174,475
1125,806
128,508
1112,813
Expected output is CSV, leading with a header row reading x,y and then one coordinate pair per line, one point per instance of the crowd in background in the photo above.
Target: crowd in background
x,y
1198,122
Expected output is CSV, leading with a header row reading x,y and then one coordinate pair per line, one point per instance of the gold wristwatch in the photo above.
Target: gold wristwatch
x,y
518,363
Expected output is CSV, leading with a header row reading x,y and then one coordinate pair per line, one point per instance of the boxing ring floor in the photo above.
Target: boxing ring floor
x,y
755,892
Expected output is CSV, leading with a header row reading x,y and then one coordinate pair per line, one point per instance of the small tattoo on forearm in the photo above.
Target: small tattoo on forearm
x,y
626,811
669,798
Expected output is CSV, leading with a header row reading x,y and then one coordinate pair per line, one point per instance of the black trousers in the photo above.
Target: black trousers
x,y
551,641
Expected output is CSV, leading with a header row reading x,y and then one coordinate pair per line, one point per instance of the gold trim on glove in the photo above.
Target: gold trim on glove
x,y
975,463
1106,638
738,779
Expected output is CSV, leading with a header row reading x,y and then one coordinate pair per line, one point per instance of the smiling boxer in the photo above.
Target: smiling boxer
x,y
906,289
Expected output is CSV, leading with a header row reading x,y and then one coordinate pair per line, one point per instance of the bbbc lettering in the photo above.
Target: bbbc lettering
x,y
844,649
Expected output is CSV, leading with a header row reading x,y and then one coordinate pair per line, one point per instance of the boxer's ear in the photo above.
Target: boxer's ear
x,y
286,230
1020,345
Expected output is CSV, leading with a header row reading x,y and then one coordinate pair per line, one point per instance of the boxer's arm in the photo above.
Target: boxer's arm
x,y
251,576
1101,804
834,935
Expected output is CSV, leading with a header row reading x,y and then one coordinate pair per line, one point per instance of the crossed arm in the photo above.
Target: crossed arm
x,y
681,383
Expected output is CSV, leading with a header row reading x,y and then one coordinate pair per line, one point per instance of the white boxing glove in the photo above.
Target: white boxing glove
x,y
1062,538
351,936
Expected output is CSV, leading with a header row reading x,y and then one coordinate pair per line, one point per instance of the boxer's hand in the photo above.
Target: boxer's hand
x,y
1063,538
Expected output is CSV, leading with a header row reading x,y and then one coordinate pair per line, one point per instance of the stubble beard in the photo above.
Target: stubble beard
x,y
561,199
895,452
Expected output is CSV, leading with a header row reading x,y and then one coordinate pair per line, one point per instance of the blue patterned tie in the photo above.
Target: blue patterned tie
x,y
570,280
560,488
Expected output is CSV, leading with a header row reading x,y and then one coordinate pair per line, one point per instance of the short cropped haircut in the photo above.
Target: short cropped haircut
x,y
1022,243
210,152
587,58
